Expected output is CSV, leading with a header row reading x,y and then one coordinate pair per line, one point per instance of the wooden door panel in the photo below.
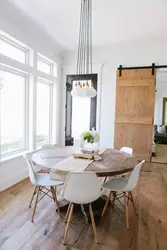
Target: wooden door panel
x,y
134,101
138,137
136,74
134,120
134,111
135,83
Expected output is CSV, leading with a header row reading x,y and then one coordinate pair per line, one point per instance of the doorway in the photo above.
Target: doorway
x,y
159,146
80,112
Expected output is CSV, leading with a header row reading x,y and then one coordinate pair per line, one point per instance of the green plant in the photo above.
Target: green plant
x,y
86,136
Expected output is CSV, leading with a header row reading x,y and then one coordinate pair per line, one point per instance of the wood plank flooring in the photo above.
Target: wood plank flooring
x,y
161,154
147,231
152,234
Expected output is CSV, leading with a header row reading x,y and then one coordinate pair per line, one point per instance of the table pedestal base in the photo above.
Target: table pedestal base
x,y
97,207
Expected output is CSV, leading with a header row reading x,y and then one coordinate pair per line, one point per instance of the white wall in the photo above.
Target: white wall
x,y
12,171
14,23
127,54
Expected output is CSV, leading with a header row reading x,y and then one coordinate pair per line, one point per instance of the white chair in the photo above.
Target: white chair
x,y
123,150
49,146
81,188
125,186
127,150
41,181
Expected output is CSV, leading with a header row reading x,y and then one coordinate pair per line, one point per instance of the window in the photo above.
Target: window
x,y
45,65
12,48
80,114
44,113
27,98
13,113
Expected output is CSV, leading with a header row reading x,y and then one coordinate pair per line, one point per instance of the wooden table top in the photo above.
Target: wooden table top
x,y
113,162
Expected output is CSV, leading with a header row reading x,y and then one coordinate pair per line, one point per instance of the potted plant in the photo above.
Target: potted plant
x,y
90,139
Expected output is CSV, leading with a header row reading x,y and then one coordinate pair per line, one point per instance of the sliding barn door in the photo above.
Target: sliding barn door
x,y
134,113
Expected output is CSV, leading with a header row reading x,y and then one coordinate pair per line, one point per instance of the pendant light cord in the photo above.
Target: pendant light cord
x,y
84,55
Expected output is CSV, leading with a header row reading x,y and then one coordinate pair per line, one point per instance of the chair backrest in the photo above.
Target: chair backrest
x,y
127,150
134,177
32,174
82,187
48,146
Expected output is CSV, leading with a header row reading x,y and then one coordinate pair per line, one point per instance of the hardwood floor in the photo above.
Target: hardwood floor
x,y
161,154
152,234
147,231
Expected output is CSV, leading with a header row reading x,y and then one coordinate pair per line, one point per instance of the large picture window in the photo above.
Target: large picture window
x,y
44,113
13,113
27,97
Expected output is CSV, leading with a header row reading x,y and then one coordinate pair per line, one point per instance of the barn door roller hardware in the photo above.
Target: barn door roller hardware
x,y
153,67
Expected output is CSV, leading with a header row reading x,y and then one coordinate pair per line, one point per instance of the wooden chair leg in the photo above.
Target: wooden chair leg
x,y
106,204
68,223
38,191
126,211
34,193
53,193
57,204
114,196
93,223
105,179
129,198
68,210
133,203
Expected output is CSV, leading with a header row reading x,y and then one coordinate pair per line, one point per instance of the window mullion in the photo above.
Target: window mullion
x,y
35,80
27,143
51,113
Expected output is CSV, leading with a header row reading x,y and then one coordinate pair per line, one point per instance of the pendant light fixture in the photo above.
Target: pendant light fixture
x,y
84,59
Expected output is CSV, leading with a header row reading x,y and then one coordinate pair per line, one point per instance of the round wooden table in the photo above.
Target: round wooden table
x,y
113,162
47,158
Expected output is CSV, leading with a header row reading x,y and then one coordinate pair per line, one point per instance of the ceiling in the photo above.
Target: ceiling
x,y
114,21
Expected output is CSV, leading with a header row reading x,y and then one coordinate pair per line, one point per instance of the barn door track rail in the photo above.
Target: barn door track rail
x,y
153,67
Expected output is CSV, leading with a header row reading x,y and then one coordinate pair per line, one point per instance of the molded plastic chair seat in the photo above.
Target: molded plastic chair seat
x,y
49,146
81,199
127,150
116,185
43,180
124,186
81,188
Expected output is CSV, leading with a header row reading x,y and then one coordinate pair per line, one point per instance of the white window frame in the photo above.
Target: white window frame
x,y
17,44
32,75
50,84
47,61
26,113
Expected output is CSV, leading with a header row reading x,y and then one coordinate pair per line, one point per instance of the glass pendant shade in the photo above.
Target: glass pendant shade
x,y
93,92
